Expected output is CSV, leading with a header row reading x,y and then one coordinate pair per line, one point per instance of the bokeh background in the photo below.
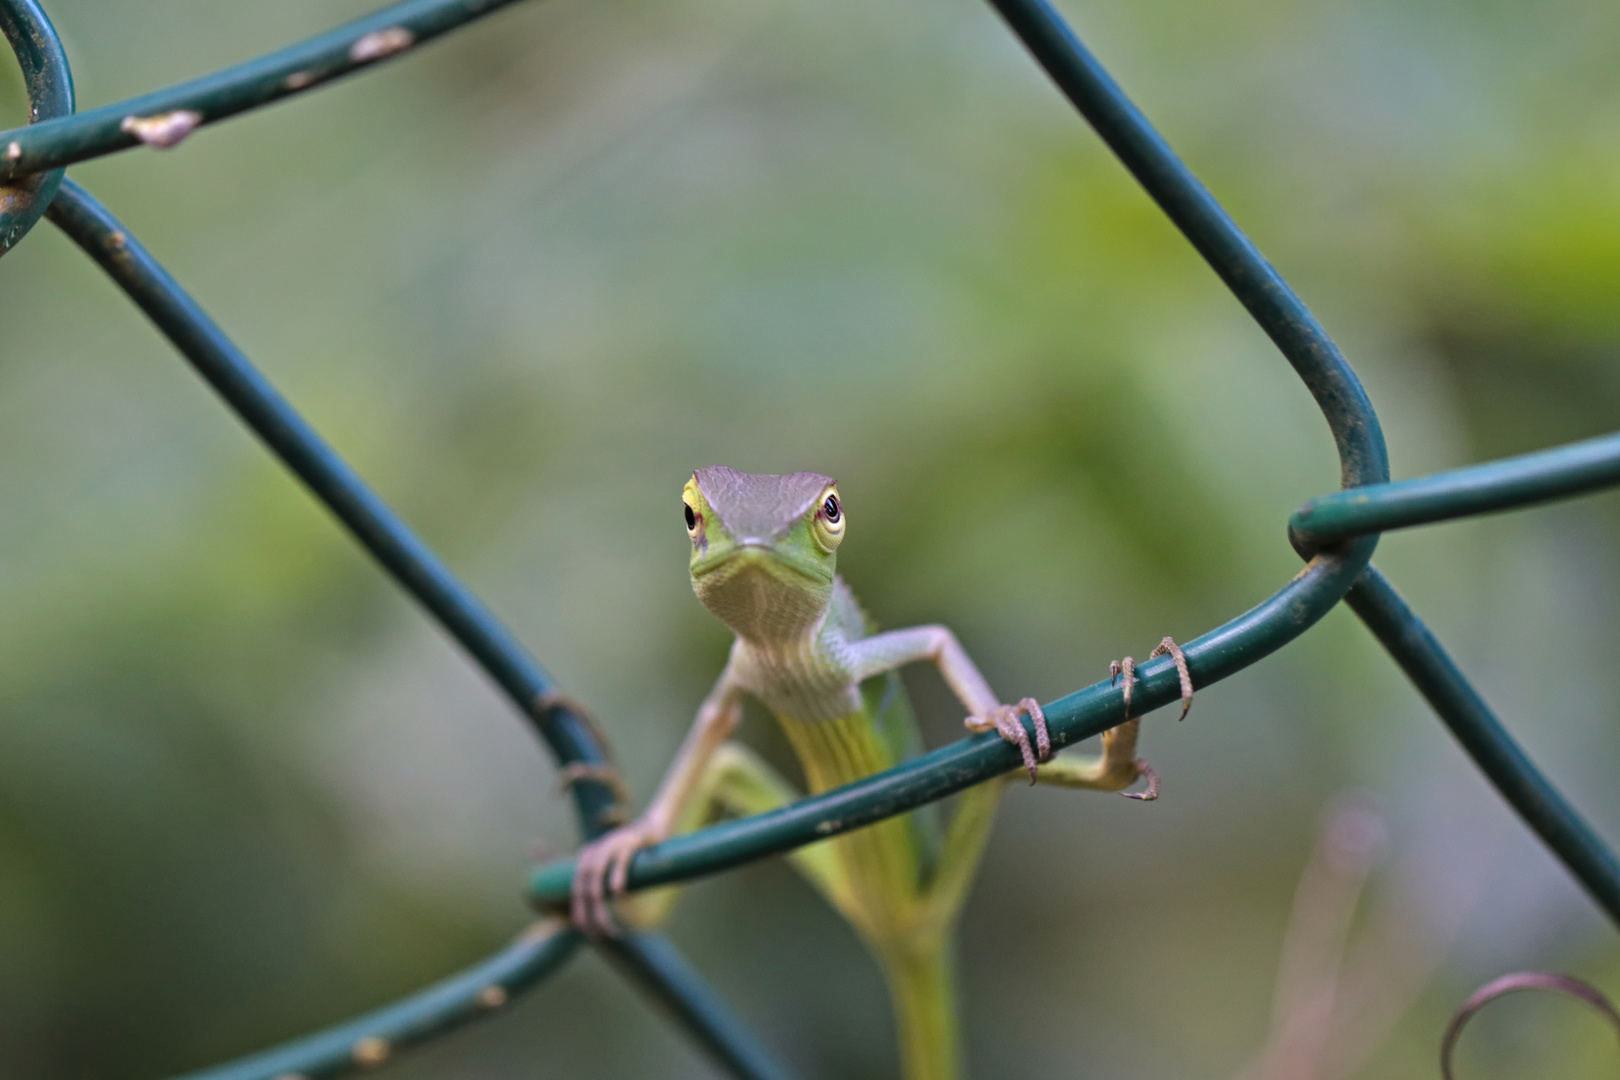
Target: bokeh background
x,y
529,277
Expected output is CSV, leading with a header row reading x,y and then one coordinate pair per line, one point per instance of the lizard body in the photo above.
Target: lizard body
x,y
764,560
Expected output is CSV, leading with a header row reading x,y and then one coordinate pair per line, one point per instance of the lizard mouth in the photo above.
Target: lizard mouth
x,y
755,553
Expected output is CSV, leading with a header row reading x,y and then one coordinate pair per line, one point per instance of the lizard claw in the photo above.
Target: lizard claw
x,y
1004,719
1127,668
1168,646
601,873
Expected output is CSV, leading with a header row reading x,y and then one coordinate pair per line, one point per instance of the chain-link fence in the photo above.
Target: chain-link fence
x,y
1335,534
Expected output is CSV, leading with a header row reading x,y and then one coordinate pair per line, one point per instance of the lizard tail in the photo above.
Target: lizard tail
x,y
922,986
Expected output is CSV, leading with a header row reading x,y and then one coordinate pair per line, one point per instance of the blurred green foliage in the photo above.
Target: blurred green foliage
x,y
529,278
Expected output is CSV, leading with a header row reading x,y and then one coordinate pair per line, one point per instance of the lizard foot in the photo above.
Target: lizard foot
x,y
1152,792
1127,668
1004,718
601,873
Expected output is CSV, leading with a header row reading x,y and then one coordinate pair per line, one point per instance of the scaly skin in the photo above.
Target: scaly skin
x,y
764,555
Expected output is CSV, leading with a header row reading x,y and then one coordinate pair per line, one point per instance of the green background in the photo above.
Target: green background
x,y
527,279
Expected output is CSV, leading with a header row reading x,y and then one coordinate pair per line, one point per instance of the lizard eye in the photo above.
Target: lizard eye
x,y
691,518
828,524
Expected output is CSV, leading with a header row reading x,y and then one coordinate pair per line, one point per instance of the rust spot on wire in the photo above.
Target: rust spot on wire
x,y
542,930
492,997
162,130
381,43
299,79
13,152
371,1051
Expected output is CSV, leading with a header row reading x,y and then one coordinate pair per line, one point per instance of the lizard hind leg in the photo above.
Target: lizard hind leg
x,y
1116,769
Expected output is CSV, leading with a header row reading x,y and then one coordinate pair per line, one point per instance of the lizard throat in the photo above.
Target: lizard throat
x,y
763,601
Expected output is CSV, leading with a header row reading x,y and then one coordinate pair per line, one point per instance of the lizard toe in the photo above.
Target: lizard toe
x,y
1170,648
1043,737
1005,720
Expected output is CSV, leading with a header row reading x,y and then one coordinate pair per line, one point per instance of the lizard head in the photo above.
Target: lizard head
x,y
764,548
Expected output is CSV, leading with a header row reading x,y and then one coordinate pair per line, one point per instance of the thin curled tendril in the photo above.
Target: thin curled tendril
x,y
1522,980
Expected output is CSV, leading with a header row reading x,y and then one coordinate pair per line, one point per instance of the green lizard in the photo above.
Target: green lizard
x,y
764,549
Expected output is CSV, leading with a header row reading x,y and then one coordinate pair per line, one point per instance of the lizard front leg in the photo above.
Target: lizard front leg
x,y
884,652
740,783
969,828
603,867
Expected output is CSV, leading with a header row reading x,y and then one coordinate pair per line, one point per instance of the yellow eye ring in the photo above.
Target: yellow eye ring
x,y
828,524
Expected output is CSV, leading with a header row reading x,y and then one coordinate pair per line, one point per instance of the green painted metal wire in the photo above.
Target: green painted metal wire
x,y
1558,473
1336,532
663,974
293,70
50,94
490,985
1537,800
372,523
1232,255
477,992
937,774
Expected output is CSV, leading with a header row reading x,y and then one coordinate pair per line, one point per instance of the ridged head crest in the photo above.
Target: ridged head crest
x,y
759,506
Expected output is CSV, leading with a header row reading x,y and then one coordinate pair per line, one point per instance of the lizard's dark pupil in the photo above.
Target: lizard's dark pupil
x,y
691,519
830,508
